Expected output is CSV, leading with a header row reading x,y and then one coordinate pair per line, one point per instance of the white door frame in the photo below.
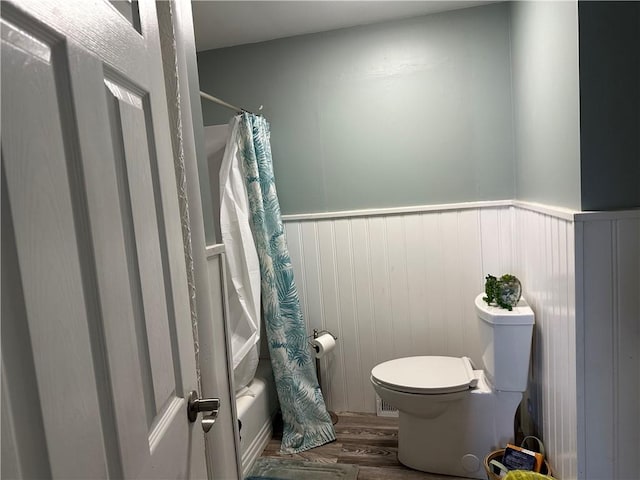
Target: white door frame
x,y
216,372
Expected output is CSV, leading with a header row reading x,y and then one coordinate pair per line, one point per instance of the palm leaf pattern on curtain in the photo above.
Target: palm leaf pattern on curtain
x,y
307,423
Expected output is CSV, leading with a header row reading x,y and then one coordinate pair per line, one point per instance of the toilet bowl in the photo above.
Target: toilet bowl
x,y
451,414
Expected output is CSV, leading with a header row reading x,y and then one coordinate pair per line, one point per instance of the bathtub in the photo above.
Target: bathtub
x,y
256,405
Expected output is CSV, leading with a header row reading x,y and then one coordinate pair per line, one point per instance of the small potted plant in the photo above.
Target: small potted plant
x,y
505,292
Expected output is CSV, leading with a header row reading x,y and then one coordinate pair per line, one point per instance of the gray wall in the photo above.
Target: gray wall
x,y
610,104
544,59
403,113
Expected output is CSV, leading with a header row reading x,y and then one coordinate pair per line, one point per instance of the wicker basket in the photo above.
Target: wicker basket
x,y
497,455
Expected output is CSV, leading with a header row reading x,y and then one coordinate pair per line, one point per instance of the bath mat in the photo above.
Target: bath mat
x,y
268,468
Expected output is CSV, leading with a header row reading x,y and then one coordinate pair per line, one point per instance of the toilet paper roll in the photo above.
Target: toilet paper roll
x,y
323,345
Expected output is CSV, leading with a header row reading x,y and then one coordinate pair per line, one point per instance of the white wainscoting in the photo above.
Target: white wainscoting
x,y
544,261
393,284
608,333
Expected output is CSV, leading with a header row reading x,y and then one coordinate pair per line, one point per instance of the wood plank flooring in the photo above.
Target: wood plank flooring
x,y
366,440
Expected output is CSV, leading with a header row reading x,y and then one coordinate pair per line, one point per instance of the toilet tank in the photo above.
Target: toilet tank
x,y
506,344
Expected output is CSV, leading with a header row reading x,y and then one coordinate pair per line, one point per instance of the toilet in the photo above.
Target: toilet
x,y
451,413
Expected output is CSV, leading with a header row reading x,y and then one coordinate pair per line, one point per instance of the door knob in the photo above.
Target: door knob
x,y
210,406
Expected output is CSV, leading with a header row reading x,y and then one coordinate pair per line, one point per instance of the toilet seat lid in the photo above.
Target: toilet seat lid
x,y
429,375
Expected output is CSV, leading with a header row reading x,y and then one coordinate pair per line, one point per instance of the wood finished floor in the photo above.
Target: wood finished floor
x,y
366,440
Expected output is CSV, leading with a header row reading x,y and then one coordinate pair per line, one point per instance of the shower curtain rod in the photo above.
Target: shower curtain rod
x,y
222,102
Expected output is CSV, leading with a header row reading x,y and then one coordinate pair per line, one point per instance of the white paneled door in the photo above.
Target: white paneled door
x,y
97,348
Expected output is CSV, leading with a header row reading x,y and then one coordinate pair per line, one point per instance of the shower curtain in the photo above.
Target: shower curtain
x,y
306,420
243,296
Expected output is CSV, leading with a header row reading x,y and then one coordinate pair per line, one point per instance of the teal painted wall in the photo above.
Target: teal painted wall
x,y
610,104
546,102
402,113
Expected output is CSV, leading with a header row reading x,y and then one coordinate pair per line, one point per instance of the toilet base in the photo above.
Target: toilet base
x,y
456,442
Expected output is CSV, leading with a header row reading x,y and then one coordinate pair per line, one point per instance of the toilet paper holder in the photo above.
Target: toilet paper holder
x,y
316,334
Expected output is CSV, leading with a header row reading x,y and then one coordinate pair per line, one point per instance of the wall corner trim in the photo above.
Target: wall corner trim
x,y
595,216
559,212
373,212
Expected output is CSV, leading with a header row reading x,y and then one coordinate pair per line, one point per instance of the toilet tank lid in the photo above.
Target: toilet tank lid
x,y
426,374
520,315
